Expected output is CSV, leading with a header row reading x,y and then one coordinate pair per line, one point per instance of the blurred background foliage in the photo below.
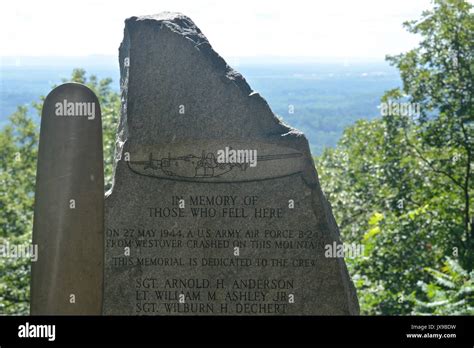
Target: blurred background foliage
x,y
401,186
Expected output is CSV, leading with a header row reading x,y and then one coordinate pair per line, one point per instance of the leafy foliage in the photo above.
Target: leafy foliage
x,y
18,151
450,293
401,185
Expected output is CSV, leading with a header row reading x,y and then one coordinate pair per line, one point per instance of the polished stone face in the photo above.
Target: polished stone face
x,y
68,225
216,208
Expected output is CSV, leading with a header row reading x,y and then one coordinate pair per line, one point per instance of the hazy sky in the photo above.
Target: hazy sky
x,y
290,28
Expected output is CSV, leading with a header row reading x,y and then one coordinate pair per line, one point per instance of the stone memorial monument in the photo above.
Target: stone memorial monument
x,y
216,207
68,225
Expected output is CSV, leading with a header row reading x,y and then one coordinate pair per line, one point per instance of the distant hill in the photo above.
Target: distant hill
x,y
324,97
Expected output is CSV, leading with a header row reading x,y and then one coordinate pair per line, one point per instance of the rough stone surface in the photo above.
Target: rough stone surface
x,y
188,235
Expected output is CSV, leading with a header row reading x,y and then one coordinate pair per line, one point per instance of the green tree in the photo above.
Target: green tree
x,y
402,185
438,75
450,293
18,151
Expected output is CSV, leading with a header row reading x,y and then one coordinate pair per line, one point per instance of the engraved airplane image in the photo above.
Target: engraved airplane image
x,y
206,167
